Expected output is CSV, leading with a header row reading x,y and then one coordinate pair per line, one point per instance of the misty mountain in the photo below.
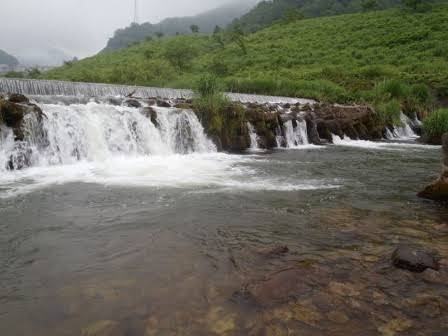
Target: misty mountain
x,y
42,56
268,12
207,21
7,59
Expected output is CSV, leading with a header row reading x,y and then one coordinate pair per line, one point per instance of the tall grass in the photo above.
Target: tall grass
x,y
436,124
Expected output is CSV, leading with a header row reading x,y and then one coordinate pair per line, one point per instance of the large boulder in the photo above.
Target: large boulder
x,y
438,190
12,114
414,259
355,121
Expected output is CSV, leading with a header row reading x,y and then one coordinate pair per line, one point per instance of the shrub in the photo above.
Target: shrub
x,y
391,89
436,124
388,113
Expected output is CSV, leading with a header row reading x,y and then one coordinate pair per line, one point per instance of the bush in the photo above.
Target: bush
x,y
388,113
436,124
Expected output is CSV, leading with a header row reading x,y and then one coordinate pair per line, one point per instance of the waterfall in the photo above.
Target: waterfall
x,y
62,88
295,136
254,138
404,131
96,132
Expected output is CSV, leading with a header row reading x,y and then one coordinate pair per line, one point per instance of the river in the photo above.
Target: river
x,y
117,229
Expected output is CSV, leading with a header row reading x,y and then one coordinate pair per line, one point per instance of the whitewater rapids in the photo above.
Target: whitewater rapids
x,y
122,146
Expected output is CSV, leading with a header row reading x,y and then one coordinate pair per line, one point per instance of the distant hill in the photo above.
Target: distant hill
x,y
268,12
206,22
337,58
7,59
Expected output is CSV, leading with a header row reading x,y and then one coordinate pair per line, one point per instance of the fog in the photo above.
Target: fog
x,y
34,30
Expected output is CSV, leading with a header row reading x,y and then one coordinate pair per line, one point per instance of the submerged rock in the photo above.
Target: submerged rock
x,y
438,190
150,113
413,259
163,103
132,103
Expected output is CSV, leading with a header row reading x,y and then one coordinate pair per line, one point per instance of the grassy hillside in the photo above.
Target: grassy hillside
x,y
385,56
268,12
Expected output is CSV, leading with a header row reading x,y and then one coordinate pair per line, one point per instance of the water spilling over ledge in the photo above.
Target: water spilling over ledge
x,y
62,88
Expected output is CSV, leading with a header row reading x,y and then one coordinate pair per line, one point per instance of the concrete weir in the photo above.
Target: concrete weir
x,y
63,88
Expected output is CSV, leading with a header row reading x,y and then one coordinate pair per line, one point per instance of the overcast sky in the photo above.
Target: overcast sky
x,y
81,27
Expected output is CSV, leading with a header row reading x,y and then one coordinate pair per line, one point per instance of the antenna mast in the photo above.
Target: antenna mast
x,y
135,12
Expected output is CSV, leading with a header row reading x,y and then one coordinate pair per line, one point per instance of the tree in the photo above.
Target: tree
x,y
160,34
194,29
292,15
237,35
217,36
369,5
180,52
34,73
412,4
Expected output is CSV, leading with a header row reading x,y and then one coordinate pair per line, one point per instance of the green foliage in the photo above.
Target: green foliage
x,y
373,57
14,74
180,52
194,29
436,124
369,5
268,12
292,15
388,113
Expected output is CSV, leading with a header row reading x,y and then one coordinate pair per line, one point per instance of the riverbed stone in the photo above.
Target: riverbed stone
x,y
438,190
278,287
413,259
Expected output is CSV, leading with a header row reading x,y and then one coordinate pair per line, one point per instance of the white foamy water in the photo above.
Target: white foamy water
x,y
346,141
404,131
254,138
121,146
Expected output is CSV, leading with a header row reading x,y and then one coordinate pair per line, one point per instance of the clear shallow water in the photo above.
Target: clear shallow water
x,y
164,245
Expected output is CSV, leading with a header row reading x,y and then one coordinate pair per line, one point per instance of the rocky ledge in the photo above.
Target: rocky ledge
x,y
438,190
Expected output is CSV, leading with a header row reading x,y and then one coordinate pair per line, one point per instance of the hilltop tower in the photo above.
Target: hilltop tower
x,y
135,11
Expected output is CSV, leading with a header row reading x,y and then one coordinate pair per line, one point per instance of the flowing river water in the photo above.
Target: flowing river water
x,y
123,228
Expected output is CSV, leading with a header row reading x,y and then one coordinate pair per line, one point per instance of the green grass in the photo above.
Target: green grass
x,y
436,124
385,58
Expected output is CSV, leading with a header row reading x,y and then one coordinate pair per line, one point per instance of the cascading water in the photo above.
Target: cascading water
x,y
295,136
254,138
96,132
404,131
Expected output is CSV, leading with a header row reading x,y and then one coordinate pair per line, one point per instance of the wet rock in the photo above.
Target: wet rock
x,y
150,113
115,101
163,103
337,317
183,106
438,190
413,259
132,103
12,115
18,98
219,321
395,326
344,289
278,287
